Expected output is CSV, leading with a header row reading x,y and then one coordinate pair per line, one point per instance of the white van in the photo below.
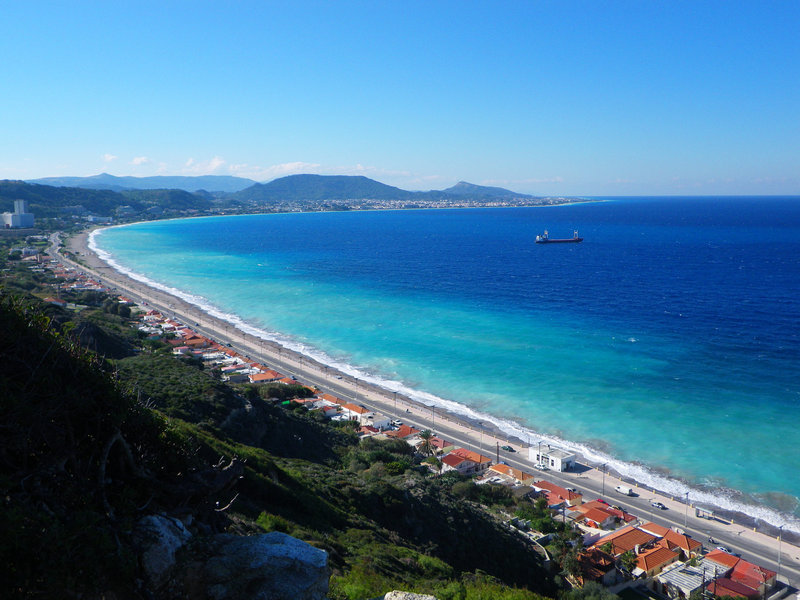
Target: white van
x,y
624,490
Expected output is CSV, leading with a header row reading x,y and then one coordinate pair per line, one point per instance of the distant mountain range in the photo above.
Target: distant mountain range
x,y
104,181
157,197
304,188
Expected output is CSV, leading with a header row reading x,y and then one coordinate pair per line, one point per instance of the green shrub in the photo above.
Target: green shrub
x,y
270,522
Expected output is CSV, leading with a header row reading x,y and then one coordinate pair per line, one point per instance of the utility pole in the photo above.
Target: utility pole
x,y
604,479
780,537
686,512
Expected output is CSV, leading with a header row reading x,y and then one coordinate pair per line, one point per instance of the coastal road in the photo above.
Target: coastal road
x,y
757,548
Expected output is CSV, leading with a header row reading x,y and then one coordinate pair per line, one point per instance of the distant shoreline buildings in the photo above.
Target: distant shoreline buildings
x,y
20,218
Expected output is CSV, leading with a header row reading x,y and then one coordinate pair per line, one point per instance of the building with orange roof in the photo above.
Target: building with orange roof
x,y
356,410
625,539
441,444
598,566
754,576
744,572
482,462
557,495
652,561
510,473
267,377
402,432
453,462
686,544
331,398
728,587
597,518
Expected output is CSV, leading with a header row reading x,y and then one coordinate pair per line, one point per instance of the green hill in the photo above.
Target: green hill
x,y
90,446
306,188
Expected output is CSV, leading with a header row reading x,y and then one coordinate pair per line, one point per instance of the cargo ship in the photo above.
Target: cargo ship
x,y
546,239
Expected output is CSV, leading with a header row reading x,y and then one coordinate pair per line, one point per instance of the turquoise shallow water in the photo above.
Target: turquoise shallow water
x,y
667,342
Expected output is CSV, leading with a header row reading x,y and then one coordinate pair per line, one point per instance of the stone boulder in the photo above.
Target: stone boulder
x,y
396,595
158,539
272,566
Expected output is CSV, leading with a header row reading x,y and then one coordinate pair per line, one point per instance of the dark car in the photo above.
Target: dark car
x,y
507,448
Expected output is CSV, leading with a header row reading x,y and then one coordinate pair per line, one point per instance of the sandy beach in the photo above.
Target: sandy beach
x,y
762,544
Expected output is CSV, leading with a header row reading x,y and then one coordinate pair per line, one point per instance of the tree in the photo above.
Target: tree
x,y
426,447
628,560
590,591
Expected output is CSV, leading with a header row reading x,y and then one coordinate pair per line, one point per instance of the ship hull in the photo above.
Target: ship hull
x,y
565,241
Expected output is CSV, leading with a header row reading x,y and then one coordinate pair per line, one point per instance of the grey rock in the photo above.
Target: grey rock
x,y
273,566
396,595
159,538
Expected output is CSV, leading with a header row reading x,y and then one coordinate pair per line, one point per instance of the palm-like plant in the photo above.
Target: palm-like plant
x,y
426,447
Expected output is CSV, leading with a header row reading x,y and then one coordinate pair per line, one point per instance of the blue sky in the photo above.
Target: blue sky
x,y
573,98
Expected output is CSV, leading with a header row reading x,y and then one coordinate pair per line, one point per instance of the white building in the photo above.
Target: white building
x,y
20,218
551,457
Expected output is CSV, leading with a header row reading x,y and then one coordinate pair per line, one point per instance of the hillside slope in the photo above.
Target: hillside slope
x,y
89,448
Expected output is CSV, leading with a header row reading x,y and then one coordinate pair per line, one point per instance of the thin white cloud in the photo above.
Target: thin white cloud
x,y
140,160
203,167
274,171
530,180
109,157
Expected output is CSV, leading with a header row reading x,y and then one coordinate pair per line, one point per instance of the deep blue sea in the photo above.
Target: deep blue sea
x,y
667,343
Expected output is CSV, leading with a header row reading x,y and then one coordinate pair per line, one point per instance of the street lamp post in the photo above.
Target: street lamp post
x,y
604,479
780,537
686,512
395,403
480,424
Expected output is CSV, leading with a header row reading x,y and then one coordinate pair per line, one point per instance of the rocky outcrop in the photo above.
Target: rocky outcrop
x,y
395,595
159,538
272,566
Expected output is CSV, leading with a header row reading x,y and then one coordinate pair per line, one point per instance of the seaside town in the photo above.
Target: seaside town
x,y
627,554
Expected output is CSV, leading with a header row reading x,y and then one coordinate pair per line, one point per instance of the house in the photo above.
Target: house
x,y
481,462
453,462
652,561
57,302
367,431
626,539
728,587
598,566
597,518
376,420
267,376
402,432
557,496
552,457
441,445
681,580
331,398
510,474
755,577
355,412
687,545
235,377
